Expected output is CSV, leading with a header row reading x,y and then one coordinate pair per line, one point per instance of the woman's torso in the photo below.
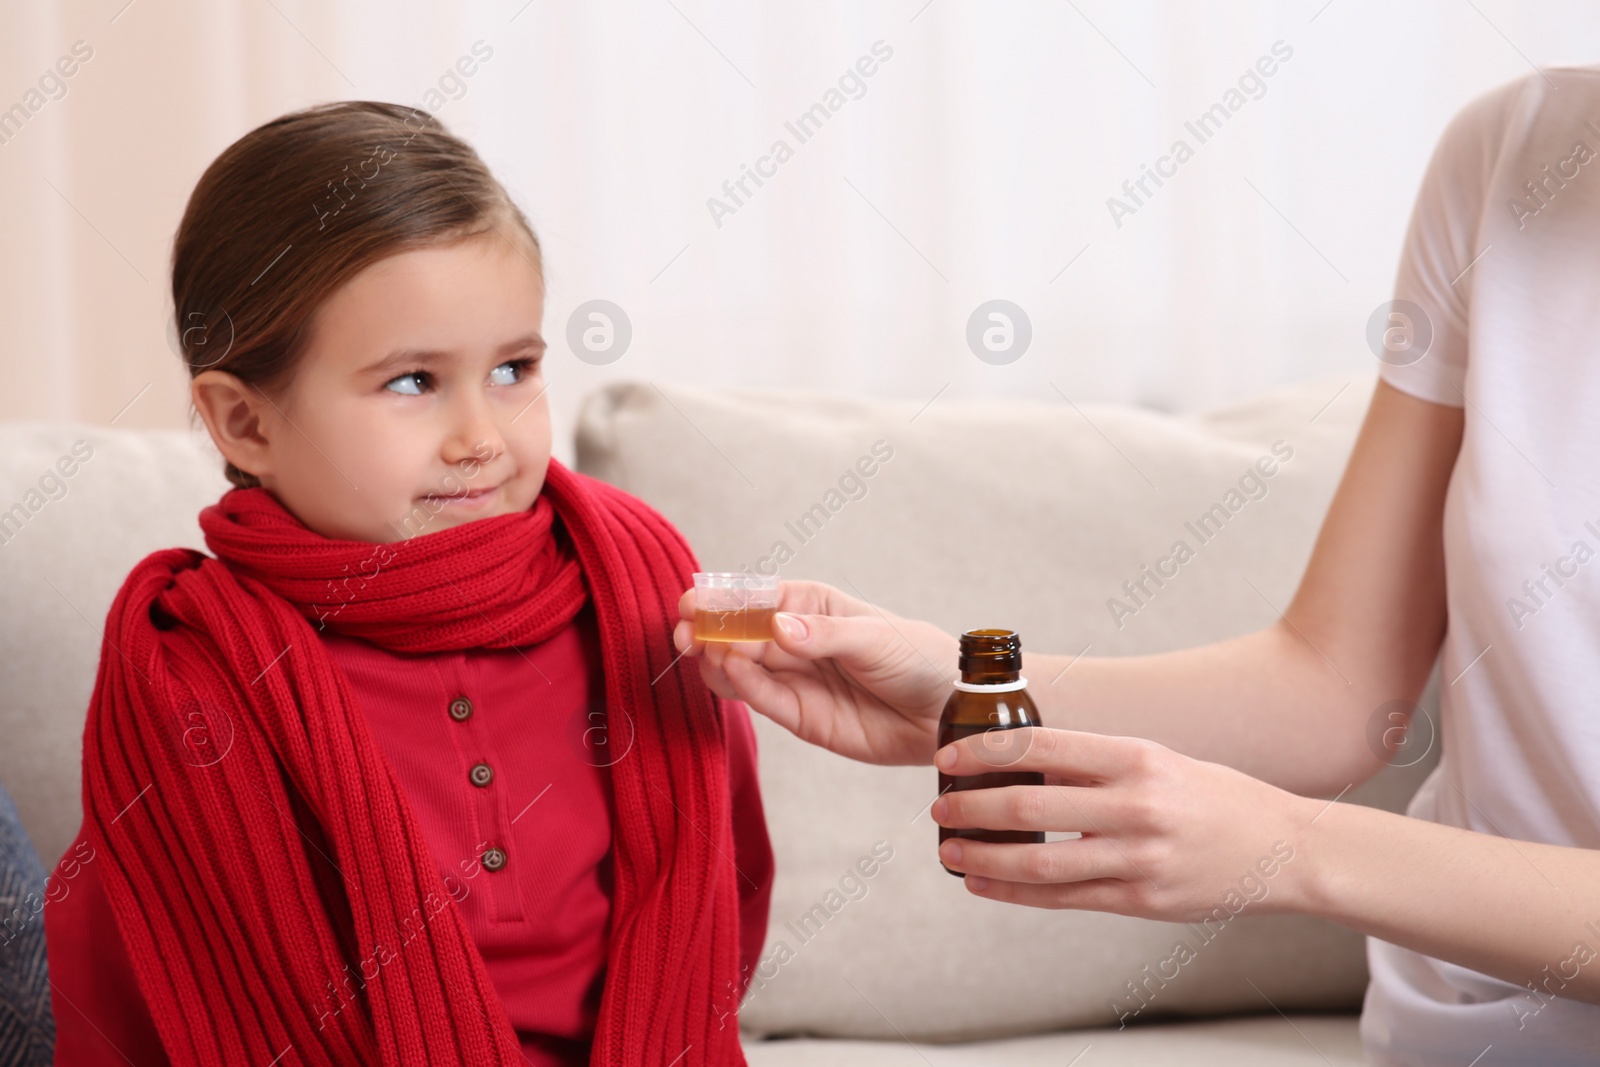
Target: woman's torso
x,y
1520,666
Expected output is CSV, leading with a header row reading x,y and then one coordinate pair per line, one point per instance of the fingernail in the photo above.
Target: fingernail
x,y
977,883
945,758
793,627
939,809
950,851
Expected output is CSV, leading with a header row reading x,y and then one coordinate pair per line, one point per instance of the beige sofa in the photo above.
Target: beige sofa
x,y
1030,516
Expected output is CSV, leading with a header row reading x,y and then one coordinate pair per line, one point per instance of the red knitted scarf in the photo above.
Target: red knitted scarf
x,y
258,850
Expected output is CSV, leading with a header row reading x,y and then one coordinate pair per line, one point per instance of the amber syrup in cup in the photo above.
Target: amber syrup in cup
x,y
734,605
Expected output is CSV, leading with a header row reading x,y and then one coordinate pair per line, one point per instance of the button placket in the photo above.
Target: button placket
x,y
472,704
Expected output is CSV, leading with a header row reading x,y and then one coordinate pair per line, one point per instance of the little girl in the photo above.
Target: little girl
x,y
407,773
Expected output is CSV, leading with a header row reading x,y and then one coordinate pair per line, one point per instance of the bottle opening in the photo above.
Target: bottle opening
x,y
988,652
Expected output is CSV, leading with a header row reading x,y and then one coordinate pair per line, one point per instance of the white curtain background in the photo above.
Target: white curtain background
x,y
975,165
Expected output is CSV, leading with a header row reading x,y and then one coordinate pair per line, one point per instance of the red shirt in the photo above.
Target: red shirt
x,y
504,756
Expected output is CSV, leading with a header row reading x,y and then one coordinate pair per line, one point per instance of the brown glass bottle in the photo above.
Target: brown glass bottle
x,y
990,696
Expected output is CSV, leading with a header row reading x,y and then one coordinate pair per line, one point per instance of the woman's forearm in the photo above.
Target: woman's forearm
x,y
1521,911
1266,703
1291,704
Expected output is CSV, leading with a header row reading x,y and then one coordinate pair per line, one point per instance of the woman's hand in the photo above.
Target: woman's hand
x,y
839,673
1164,836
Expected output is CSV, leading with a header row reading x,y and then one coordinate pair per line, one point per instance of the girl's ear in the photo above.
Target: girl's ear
x,y
232,410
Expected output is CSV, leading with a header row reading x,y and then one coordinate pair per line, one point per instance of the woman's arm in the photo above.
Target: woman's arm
x,y
1517,910
1289,703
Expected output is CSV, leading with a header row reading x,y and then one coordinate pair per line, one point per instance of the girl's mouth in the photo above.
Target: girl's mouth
x,y
478,498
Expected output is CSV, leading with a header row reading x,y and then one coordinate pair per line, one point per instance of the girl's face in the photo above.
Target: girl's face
x,y
418,404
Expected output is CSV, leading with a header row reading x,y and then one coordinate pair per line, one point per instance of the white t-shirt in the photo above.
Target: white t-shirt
x,y
1503,256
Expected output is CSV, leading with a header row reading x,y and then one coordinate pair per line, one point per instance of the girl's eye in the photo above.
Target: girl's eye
x,y
512,371
409,384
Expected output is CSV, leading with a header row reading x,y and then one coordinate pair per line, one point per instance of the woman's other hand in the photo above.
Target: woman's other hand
x,y
839,673
1164,836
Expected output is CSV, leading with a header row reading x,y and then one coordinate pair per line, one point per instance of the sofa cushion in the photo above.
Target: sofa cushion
x,y
1251,1041
79,506
1023,515
1078,498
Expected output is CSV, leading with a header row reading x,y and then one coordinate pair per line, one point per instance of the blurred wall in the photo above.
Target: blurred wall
x,y
956,153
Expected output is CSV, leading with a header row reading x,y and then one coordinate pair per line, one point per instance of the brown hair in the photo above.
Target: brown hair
x,y
295,208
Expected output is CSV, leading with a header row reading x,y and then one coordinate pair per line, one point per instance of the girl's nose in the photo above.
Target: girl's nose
x,y
474,434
